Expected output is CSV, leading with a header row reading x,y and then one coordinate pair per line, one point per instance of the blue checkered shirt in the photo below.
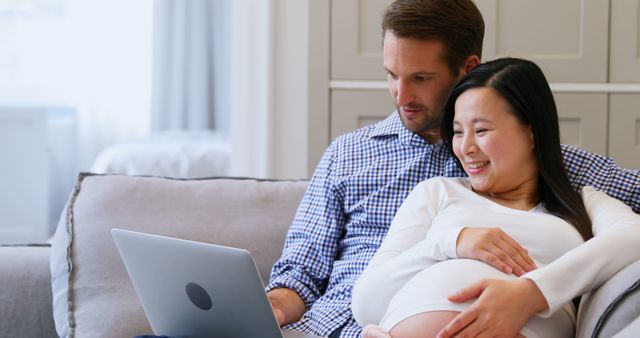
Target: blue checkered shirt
x,y
359,184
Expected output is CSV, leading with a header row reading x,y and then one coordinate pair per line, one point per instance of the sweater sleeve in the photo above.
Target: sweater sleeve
x,y
441,244
401,255
615,245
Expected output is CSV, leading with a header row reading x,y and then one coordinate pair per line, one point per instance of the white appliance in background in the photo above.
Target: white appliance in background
x,y
38,168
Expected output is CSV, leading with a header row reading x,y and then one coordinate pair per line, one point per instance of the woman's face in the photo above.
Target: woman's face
x,y
495,149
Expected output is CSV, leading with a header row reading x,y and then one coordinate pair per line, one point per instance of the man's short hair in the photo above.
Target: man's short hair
x,y
457,23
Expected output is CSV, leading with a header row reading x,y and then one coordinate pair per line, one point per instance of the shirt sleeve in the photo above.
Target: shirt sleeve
x,y
602,173
312,240
401,255
615,245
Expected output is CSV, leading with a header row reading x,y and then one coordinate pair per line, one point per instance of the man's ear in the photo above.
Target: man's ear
x,y
470,63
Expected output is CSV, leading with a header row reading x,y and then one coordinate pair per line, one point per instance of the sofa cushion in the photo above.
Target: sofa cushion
x,y
25,295
92,293
612,306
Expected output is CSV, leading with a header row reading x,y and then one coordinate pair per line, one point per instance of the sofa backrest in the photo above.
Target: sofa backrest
x,y
92,293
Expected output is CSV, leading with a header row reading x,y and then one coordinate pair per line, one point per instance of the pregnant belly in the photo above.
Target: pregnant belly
x,y
428,289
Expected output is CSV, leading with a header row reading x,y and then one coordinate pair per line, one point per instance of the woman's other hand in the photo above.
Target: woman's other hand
x,y
501,310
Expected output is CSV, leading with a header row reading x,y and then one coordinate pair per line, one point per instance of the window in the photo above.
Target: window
x,y
94,56
31,34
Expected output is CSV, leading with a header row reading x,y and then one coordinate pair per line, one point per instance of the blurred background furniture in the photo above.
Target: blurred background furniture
x,y
38,171
175,154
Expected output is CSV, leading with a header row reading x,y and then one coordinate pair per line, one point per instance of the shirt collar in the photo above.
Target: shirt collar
x,y
391,125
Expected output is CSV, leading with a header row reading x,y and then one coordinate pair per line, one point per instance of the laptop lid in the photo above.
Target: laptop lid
x,y
192,289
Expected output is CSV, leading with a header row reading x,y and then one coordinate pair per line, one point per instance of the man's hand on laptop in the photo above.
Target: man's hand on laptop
x,y
287,305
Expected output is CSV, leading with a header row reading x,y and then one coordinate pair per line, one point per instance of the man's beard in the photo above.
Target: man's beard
x,y
428,123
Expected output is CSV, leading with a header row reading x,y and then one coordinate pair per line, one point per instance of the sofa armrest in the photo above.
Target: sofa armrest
x,y
25,292
630,331
612,307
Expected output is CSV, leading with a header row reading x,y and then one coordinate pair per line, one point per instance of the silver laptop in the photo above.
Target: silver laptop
x,y
192,289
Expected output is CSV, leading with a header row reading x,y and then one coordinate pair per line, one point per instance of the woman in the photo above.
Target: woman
x,y
501,124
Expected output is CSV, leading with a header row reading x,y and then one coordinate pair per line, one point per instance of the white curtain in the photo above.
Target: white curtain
x,y
183,89
253,84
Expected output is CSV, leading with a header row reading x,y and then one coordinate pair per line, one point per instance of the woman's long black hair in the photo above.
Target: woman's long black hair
x,y
523,85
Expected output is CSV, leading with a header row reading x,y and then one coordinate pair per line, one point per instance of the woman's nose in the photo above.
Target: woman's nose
x,y
468,145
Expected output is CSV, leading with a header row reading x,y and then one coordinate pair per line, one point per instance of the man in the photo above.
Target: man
x,y
365,175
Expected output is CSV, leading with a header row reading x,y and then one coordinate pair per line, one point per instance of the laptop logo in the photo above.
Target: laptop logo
x,y
198,296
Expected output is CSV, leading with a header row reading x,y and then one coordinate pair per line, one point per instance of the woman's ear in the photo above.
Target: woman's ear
x,y
532,138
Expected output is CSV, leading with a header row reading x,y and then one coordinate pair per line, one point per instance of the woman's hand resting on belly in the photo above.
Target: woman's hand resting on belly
x,y
494,247
493,312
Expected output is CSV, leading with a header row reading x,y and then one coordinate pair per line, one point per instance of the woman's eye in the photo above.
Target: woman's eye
x,y
457,132
481,131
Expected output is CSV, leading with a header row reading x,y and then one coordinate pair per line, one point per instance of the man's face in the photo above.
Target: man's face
x,y
419,81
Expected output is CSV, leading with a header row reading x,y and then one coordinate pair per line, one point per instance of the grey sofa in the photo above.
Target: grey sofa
x,y
79,287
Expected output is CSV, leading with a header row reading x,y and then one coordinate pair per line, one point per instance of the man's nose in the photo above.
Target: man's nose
x,y
404,94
